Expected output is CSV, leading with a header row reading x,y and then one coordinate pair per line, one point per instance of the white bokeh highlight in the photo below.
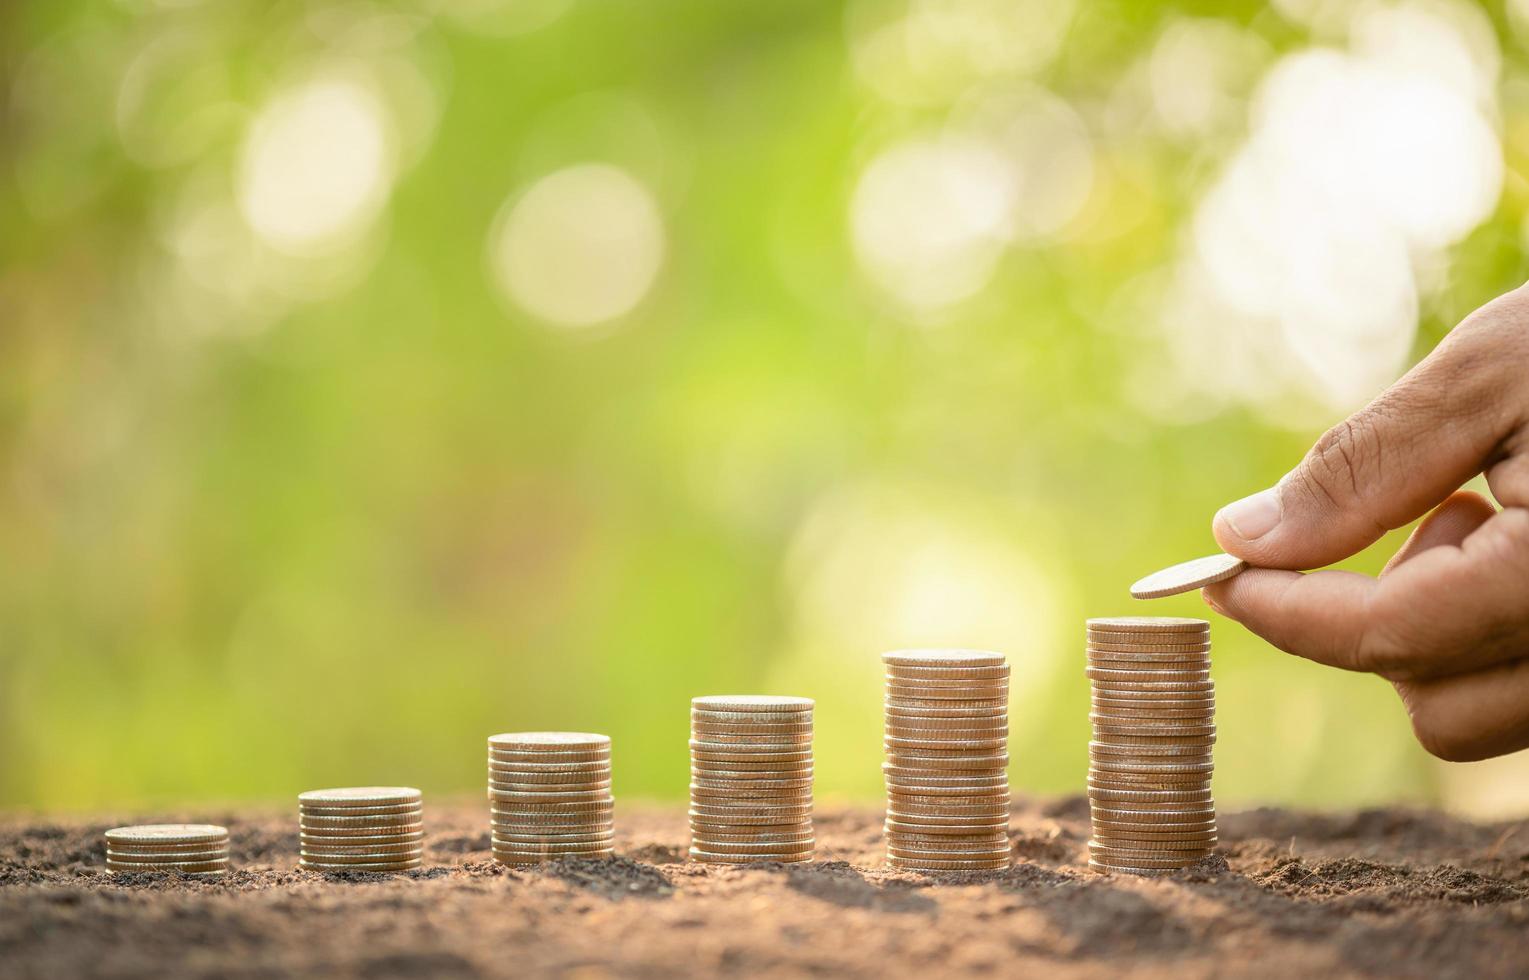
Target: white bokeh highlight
x,y
929,219
1198,74
1361,166
317,166
1046,151
932,215
877,567
582,246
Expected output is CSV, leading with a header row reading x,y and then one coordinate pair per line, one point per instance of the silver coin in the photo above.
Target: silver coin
x,y
751,702
1188,576
167,833
367,796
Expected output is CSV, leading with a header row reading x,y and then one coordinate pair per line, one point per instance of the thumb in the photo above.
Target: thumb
x,y
1392,461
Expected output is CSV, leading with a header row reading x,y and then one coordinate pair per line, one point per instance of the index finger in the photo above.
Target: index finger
x,y
1321,616
1448,609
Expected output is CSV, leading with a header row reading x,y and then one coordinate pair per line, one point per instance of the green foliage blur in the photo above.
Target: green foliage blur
x,y
299,487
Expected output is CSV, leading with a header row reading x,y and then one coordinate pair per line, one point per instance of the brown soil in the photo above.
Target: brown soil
x,y
1378,893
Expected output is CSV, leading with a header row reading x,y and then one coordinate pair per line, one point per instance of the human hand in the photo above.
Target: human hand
x,y
1447,622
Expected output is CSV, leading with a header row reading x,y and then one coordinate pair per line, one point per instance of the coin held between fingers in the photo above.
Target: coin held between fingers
x,y
1188,576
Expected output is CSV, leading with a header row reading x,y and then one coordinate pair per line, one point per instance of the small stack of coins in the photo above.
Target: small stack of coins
x,y
1153,714
199,849
361,828
947,737
751,779
549,796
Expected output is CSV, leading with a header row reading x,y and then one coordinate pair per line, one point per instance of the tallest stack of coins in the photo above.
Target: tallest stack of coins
x,y
1153,715
947,737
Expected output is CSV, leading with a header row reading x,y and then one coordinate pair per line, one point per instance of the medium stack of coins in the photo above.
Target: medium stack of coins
x,y
549,796
361,828
1153,714
751,779
199,849
947,737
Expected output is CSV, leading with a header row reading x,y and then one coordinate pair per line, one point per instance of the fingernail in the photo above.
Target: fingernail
x,y
1216,606
1253,517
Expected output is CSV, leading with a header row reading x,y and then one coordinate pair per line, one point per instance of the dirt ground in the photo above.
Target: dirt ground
x,y
1376,893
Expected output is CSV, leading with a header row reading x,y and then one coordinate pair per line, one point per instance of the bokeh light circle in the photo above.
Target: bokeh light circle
x,y
1046,148
581,246
317,166
929,218
1361,166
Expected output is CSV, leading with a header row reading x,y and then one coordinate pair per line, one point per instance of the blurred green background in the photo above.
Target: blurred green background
x,y
376,377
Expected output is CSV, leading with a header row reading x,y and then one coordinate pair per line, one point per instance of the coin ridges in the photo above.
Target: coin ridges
x,y
1147,624
946,767
166,833
549,796
1152,710
548,741
360,796
751,702
751,772
944,658
361,828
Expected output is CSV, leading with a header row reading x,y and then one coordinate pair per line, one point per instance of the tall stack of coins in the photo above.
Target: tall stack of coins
x,y
751,779
361,828
199,849
947,737
549,796
1153,714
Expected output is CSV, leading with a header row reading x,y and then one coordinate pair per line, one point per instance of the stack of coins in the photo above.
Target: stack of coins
x,y
751,779
1153,714
361,828
549,796
187,848
947,737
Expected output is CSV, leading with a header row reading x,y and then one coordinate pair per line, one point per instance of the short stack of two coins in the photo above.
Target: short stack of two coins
x,y
946,770
361,828
195,849
550,796
1150,763
751,779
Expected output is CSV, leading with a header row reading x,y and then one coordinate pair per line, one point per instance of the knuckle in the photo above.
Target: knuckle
x,y
1485,348
1504,318
1347,458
